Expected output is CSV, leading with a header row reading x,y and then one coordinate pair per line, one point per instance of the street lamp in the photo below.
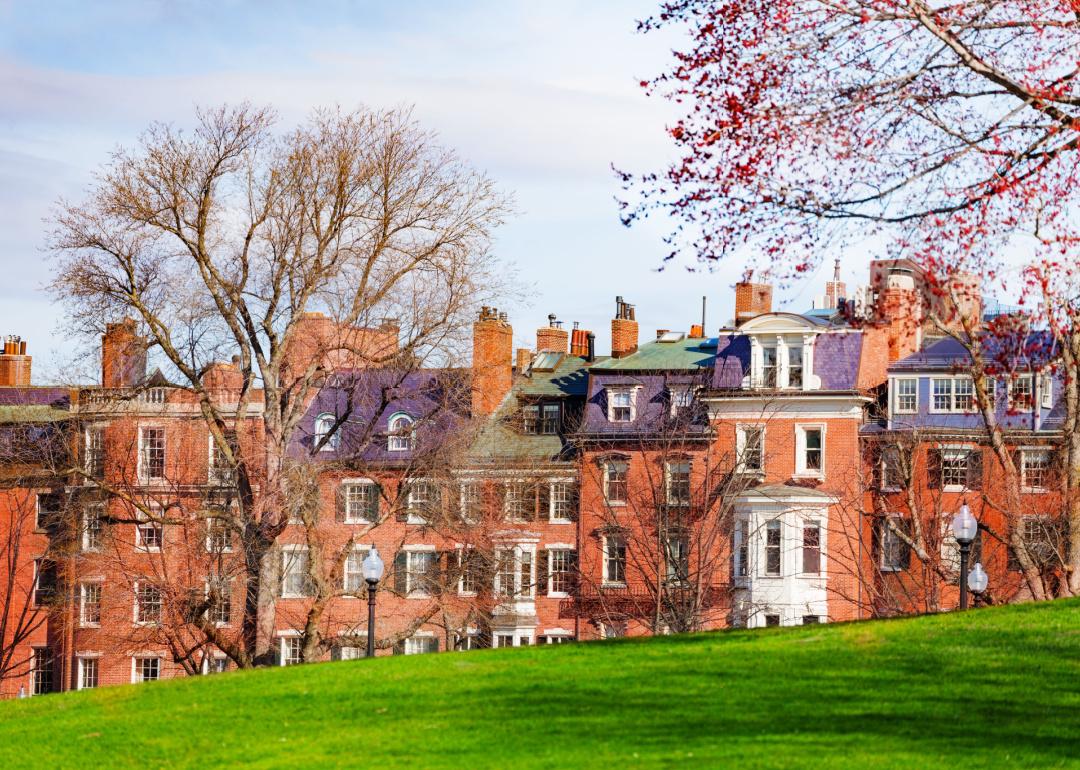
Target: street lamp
x,y
977,579
965,527
372,570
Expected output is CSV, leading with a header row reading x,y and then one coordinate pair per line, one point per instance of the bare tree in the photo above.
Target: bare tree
x,y
228,237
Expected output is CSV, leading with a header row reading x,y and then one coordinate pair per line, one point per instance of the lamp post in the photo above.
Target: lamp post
x,y
372,569
977,579
965,527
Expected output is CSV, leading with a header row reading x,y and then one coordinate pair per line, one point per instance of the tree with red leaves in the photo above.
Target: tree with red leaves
x,y
944,132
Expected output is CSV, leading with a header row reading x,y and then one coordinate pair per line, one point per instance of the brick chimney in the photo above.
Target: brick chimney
x,y
522,358
579,342
123,355
899,308
552,337
751,299
624,330
14,364
493,349
835,290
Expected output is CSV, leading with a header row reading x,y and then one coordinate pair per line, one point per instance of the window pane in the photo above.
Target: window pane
x,y
772,548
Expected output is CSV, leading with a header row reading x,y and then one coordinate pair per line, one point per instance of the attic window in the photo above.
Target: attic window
x,y
671,337
621,404
400,433
324,424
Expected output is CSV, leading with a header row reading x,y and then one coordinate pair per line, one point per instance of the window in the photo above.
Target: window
x,y
941,395
515,500
94,452
768,367
682,401
562,501
219,594
1021,397
90,604
91,527
472,501
530,419
147,603
504,640
295,575
773,531
469,571
907,395
952,394
48,511
621,405
772,621
991,390
811,620
421,501
417,573
1035,469
215,665
88,673
292,650
1046,390
560,571
895,552
549,419
326,437
149,534
810,447
146,669
750,447
555,639
678,482
347,652
889,474
420,645
615,559
354,576
400,433
615,629
515,575
795,367
361,502
615,482
219,471
677,559
811,548
1039,539
741,549
151,454
218,535
963,394
954,467
41,671
44,581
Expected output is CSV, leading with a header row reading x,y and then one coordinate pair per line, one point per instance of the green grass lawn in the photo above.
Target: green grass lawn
x,y
996,687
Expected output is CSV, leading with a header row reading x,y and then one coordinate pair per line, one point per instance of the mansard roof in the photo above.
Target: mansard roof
x,y
1005,353
837,352
690,354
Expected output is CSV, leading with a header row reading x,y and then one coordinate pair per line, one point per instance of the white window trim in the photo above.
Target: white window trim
x,y
83,519
1046,390
763,539
417,636
135,607
562,548
740,447
610,391
209,545
283,637
228,582
331,443
290,548
607,500
135,666
81,658
410,591
1011,389
823,567
952,379
357,481
688,392
895,395
348,592
1024,451
140,471
518,595
958,448
413,518
881,556
83,623
801,471
551,482
142,519
87,431
604,556
461,551
391,435
741,541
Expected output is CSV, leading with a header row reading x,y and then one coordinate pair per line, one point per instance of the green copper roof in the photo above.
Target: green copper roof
x,y
683,355
23,413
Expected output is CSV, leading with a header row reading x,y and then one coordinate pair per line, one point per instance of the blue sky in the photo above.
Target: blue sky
x,y
543,96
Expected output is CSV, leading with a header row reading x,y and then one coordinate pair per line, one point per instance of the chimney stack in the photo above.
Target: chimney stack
x,y
624,330
835,290
524,358
579,342
14,363
493,345
552,337
751,299
123,355
591,349
899,308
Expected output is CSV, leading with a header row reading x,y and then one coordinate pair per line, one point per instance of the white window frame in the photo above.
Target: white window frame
x,y
359,518
519,592
462,555
953,394
357,552
741,567
898,394
566,550
629,391
955,450
626,483
801,469
886,531
681,397
822,568
1012,388
323,424
136,669
227,582
413,591
400,432
82,665
84,519
1046,390
1024,453
83,586
216,473
286,562
609,541
413,642
94,443
776,523
741,430
141,471
553,484
142,520
472,510
674,501
135,605
210,528
414,504
285,646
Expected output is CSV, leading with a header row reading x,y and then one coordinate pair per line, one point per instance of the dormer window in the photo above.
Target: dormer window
x,y
795,367
400,433
325,433
541,419
682,401
768,367
621,407
782,361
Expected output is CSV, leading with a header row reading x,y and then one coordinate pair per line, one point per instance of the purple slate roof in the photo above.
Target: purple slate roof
x,y
431,398
836,360
58,398
653,407
1007,352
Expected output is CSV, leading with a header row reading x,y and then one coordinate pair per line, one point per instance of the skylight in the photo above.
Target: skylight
x,y
671,337
546,361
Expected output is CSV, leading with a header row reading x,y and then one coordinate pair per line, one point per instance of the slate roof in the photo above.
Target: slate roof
x,y
685,355
948,354
836,360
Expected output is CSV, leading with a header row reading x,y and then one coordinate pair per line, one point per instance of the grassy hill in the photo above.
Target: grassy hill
x,y
994,687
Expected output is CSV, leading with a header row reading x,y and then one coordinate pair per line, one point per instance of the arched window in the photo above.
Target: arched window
x,y
400,433
324,424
